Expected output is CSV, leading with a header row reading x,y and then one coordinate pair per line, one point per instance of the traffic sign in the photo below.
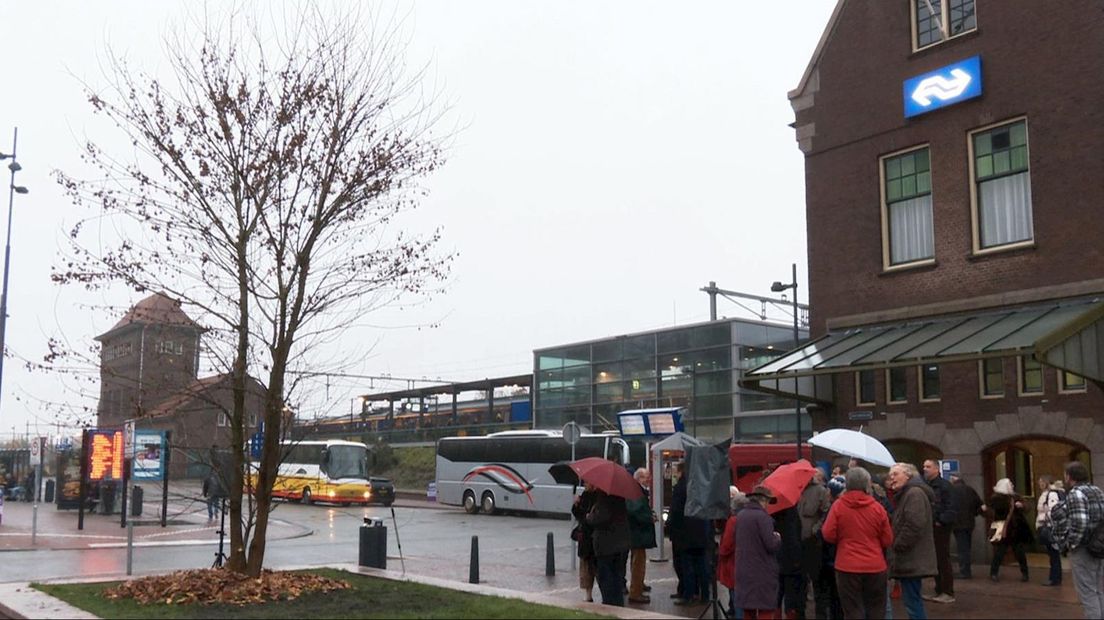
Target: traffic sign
x,y
36,447
571,433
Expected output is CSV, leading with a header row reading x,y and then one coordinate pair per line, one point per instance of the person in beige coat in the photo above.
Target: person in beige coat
x,y
913,552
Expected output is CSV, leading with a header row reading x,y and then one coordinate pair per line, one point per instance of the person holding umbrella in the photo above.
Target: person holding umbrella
x,y
609,521
583,534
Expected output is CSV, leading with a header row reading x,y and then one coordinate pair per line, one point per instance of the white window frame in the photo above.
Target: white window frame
x,y
975,203
223,419
920,384
1020,378
982,375
944,24
887,260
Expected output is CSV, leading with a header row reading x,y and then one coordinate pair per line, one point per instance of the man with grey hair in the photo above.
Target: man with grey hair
x,y
859,527
641,536
1074,522
913,540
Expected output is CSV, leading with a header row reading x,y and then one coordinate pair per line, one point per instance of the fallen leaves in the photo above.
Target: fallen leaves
x,y
217,585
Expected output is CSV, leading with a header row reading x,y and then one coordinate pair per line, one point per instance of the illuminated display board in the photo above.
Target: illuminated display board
x,y
105,455
632,424
650,422
662,423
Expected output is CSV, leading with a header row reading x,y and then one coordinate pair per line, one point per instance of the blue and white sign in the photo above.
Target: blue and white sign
x,y
948,468
943,87
149,455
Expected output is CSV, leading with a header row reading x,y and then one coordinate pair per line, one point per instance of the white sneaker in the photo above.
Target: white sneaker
x,y
944,598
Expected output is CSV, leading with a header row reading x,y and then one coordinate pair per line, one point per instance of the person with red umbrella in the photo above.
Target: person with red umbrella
x,y
788,482
609,522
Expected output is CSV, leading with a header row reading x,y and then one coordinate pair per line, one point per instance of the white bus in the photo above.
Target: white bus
x,y
331,471
509,470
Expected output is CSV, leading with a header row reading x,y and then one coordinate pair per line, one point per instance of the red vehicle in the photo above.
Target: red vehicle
x,y
748,460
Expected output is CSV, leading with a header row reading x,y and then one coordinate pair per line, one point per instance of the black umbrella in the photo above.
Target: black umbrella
x,y
563,474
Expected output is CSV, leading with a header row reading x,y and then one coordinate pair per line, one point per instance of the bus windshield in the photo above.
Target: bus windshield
x,y
348,462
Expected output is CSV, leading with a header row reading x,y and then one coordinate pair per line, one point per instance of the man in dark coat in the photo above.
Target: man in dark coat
x,y
913,556
756,563
943,517
690,536
642,537
610,523
968,506
813,507
791,591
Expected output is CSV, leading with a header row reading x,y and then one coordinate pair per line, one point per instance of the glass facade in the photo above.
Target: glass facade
x,y
697,367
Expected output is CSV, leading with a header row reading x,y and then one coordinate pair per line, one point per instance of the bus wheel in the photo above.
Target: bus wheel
x,y
488,503
306,499
470,506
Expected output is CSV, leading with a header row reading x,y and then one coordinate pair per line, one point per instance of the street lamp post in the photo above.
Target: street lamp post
x,y
13,189
778,287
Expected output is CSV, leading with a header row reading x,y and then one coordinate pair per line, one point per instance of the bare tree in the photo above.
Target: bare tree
x,y
261,191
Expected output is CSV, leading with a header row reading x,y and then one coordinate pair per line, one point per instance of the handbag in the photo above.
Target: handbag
x,y
999,529
577,534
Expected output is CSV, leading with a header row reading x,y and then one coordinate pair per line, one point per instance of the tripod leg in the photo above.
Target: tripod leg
x,y
395,522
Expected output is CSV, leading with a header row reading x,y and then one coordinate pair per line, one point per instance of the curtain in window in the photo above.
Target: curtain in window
x,y
910,230
1005,210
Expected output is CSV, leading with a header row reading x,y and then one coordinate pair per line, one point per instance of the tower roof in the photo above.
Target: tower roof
x,y
157,309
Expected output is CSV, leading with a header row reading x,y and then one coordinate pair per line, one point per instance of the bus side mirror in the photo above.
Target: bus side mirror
x,y
324,463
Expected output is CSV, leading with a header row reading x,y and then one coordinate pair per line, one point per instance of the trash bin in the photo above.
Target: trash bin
x,y
373,543
49,497
136,493
107,499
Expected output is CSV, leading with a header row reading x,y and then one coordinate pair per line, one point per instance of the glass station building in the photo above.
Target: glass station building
x,y
696,366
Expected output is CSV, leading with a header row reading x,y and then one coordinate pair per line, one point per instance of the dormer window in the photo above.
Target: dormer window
x,y
935,21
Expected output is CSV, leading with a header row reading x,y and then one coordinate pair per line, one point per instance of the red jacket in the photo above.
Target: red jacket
x,y
859,527
726,555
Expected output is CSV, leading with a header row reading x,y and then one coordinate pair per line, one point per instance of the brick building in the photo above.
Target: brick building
x,y
149,372
956,274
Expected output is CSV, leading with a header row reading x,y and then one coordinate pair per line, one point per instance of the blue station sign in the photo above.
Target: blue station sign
x,y
943,87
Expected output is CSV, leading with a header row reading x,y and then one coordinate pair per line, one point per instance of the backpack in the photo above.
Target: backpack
x,y
1094,542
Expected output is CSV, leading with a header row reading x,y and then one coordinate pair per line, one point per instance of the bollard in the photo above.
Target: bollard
x,y
473,571
550,558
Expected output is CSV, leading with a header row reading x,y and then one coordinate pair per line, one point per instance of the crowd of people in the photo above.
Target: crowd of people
x,y
855,538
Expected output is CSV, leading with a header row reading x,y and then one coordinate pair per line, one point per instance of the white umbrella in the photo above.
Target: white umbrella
x,y
854,444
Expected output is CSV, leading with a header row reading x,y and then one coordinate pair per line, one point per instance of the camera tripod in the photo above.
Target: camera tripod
x,y
220,557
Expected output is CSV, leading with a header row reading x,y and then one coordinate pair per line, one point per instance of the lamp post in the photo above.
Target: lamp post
x,y
13,189
778,287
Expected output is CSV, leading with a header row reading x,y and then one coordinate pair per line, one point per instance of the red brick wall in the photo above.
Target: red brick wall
x,y
1042,60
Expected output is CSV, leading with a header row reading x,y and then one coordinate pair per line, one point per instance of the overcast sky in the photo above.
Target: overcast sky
x,y
615,157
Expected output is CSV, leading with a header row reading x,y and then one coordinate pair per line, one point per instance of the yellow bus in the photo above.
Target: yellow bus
x,y
331,471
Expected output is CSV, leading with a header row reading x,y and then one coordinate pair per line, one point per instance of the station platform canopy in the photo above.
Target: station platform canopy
x,y
1068,335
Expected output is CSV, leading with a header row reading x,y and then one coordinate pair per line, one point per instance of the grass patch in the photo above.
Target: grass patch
x,y
367,597
413,468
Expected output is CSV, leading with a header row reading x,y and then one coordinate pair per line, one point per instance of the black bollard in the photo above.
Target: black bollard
x,y
550,558
473,571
